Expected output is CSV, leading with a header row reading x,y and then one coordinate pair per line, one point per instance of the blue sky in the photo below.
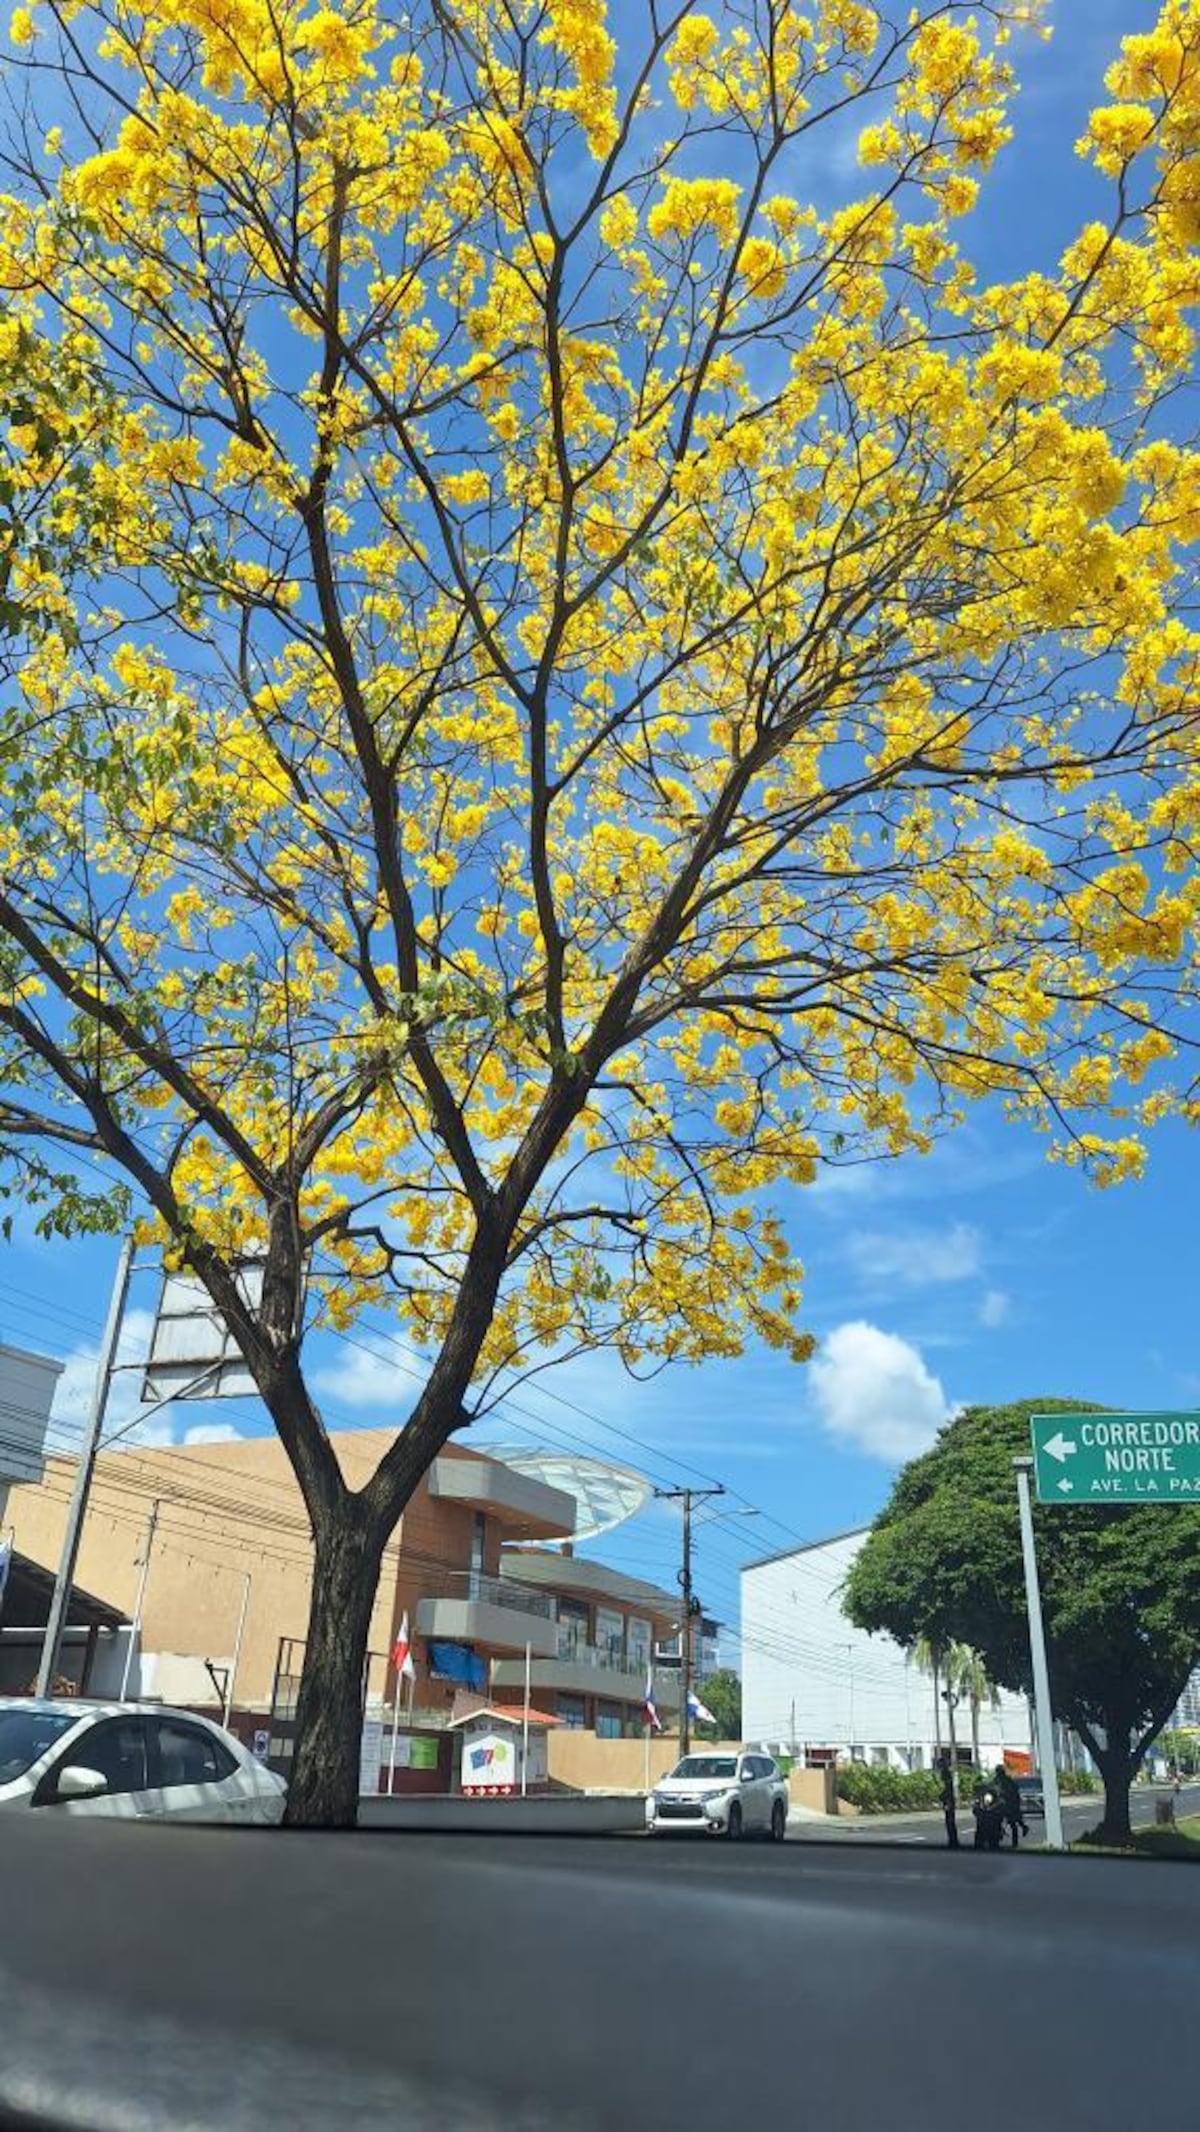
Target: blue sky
x,y
977,1274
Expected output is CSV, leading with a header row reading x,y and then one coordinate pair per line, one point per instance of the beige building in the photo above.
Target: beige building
x,y
229,1528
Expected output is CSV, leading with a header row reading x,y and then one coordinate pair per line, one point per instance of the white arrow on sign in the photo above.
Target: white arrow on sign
x,y
1067,1487
1060,1447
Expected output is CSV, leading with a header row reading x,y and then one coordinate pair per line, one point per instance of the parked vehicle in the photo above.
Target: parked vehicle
x,y
988,1809
1032,1797
730,1795
130,1762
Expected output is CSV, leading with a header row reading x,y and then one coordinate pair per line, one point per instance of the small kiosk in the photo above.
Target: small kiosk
x,y
502,1752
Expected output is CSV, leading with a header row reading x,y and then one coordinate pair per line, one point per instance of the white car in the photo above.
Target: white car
x,y
129,1761
725,1794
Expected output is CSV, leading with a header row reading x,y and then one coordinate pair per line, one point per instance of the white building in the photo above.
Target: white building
x,y
814,1683
27,1384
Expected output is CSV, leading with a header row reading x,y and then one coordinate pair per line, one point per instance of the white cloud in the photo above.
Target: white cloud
x,y
920,1258
213,1432
371,1376
994,1309
73,1396
874,1392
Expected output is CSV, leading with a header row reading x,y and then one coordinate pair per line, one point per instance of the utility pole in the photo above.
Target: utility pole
x,y
60,1604
686,1496
135,1628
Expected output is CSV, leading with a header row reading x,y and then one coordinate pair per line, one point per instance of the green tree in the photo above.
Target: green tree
x,y
1120,1589
722,1694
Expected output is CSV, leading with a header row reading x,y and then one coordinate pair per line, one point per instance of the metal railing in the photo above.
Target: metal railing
x,y
604,1659
473,1585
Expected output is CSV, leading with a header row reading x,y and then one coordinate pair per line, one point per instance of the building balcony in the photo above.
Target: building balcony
x,y
490,1615
527,1509
587,1669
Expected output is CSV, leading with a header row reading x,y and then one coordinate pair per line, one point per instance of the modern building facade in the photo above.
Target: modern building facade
x,y
814,1684
606,1625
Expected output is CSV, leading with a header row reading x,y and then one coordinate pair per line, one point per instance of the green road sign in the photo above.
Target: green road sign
x,y
1116,1458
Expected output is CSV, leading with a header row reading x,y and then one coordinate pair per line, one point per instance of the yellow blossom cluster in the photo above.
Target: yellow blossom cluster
x,y
559,680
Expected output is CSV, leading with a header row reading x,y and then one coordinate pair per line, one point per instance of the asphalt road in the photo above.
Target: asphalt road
x,y
196,1979
1079,1815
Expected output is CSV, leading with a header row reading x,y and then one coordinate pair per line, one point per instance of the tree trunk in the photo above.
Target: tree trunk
x,y
935,1669
1117,1769
950,1701
975,1731
323,1788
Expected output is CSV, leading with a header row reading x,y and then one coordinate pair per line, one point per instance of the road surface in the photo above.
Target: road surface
x,y
1079,1815
238,1979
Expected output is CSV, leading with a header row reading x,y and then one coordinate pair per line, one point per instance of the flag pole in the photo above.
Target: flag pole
x,y
397,1692
525,1721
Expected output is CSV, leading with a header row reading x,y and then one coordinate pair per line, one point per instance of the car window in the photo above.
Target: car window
x,y
116,1747
766,1767
706,1765
189,1756
25,1735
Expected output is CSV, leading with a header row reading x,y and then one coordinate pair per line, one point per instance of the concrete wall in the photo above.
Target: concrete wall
x,y
814,1789
806,1667
588,1764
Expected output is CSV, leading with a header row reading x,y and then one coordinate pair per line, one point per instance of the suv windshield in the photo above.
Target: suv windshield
x,y
26,1734
706,1765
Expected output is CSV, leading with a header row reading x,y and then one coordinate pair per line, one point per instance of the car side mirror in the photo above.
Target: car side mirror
x,y
747,1776
80,1783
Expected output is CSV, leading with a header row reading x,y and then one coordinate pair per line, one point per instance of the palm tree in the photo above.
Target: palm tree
x,y
967,1675
927,1657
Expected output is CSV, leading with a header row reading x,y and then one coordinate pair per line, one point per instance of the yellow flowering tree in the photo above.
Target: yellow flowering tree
x,y
555,679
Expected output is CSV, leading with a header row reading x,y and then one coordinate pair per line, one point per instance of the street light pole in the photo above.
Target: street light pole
x,y
1041,1672
686,1496
135,1629
60,1604
231,1682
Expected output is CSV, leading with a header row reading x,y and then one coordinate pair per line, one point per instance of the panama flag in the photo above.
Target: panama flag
x,y
402,1658
699,1712
652,1716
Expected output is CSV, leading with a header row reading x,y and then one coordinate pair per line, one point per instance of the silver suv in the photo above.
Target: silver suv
x,y
730,1795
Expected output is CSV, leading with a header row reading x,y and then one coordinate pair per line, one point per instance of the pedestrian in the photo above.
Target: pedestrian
x,y
1010,1799
949,1801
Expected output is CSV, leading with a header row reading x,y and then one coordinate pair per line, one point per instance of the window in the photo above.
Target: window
x,y
637,1643
116,1748
24,1737
706,1765
478,1555
573,1622
610,1636
572,1712
188,1756
608,1721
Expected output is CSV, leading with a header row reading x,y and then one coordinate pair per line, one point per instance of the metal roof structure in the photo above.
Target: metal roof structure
x,y
604,1495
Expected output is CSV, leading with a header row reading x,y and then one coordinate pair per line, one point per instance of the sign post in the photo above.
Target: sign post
x,y
1116,1458
1043,1715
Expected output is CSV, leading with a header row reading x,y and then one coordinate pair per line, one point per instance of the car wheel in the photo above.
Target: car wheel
x,y
778,1821
733,1826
